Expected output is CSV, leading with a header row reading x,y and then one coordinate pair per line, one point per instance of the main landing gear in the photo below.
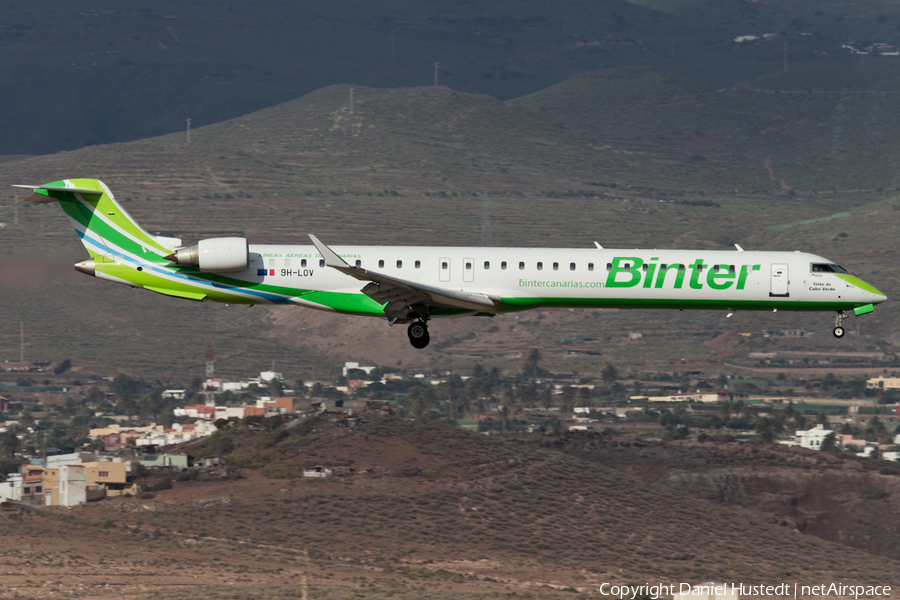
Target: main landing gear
x,y
418,334
838,320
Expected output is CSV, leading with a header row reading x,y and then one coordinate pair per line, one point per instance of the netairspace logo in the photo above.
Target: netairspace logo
x,y
735,590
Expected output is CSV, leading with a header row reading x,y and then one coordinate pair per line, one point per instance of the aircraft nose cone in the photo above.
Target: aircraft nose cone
x,y
868,291
86,266
877,295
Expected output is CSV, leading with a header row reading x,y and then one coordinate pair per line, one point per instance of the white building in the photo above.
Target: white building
x,y
11,489
883,383
60,460
698,397
813,438
177,434
316,471
227,412
235,386
355,365
72,486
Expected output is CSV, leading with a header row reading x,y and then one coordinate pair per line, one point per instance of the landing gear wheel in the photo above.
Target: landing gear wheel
x,y
418,334
838,324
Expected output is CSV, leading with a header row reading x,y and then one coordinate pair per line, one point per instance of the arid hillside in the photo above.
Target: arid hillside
x,y
419,497
434,166
847,500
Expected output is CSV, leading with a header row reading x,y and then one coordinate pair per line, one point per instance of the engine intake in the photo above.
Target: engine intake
x,y
216,255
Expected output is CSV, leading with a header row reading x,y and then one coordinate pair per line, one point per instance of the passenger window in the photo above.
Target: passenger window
x,y
444,265
322,262
644,268
271,263
468,266
662,268
418,264
521,266
399,264
556,266
609,266
590,266
731,269
380,264
358,263
287,263
681,268
503,265
303,263
571,266
487,265
540,266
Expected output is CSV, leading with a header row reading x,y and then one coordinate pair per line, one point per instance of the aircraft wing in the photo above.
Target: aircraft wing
x,y
401,294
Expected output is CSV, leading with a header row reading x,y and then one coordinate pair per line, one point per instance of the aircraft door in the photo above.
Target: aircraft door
x,y
780,281
469,269
445,269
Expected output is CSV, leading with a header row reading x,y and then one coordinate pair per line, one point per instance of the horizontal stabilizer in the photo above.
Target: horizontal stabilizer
x,y
60,188
177,293
39,198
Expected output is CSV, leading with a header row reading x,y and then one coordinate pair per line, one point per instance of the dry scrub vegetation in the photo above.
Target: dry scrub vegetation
x,y
448,509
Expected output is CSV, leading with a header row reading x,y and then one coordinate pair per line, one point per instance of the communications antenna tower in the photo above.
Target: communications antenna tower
x,y
210,371
210,367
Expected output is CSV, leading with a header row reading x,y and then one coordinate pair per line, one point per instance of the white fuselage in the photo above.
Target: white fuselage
x,y
693,277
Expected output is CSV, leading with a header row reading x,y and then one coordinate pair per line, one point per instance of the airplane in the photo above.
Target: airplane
x,y
414,284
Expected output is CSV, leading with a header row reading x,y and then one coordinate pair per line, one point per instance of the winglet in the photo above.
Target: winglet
x,y
738,248
331,258
599,247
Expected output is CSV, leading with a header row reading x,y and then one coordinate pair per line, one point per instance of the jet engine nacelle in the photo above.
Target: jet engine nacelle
x,y
216,255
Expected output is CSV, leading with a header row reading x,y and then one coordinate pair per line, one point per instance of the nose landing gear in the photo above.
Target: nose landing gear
x,y
838,321
418,334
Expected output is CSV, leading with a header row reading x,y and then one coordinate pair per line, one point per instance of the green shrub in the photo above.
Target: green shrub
x,y
188,475
255,460
283,471
162,484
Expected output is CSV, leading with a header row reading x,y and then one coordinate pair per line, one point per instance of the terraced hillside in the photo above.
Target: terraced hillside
x,y
821,129
435,166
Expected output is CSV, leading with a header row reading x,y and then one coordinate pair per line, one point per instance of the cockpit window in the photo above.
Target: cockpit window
x,y
828,268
